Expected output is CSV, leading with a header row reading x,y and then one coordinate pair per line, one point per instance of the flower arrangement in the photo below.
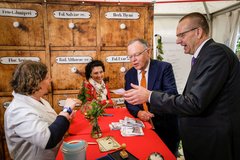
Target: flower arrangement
x,y
92,110
97,109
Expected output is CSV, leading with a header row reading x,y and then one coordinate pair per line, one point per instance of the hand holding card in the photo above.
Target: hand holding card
x,y
120,91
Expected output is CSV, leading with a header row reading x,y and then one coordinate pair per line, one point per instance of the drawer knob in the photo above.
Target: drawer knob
x,y
6,104
71,25
123,26
74,70
123,69
16,24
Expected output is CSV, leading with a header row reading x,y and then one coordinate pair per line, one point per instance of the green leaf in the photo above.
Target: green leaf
x,y
83,95
159,49
96,111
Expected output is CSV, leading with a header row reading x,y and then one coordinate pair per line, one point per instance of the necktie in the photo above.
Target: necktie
x,y
143,84
193,61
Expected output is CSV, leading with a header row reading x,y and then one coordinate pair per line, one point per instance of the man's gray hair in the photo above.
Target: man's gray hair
x,y
142,41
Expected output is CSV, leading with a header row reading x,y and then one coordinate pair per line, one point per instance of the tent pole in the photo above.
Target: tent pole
x,y
208,17
207,11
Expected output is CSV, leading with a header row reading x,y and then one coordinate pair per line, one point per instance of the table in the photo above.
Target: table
x,y
139,146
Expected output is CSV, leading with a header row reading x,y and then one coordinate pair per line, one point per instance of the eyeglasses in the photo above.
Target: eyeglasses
x,y
138,54
181,35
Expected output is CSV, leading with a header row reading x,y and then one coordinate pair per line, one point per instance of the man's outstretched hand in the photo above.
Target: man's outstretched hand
x,y
136,95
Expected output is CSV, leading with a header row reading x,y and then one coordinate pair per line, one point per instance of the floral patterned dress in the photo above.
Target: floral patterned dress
x,y
97,91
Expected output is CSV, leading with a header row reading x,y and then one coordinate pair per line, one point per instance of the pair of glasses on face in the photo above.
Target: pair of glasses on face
x,y
138,54
181,35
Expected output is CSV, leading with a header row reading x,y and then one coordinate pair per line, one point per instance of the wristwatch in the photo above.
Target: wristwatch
x,y
67,109
155,156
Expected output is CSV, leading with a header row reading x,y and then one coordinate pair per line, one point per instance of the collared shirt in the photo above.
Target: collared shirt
x,y
195,55
146,74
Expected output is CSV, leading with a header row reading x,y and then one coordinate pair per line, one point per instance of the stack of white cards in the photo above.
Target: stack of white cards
x,y
128,127
131,131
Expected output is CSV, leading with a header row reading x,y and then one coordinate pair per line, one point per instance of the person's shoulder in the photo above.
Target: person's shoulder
x,y
210,44
160,63
221,46
131,70
19,109
86,83
219,49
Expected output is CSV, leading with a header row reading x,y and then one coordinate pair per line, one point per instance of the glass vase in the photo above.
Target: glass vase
x,y
96,130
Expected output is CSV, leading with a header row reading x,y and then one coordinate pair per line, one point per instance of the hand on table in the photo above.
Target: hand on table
x,y
145,115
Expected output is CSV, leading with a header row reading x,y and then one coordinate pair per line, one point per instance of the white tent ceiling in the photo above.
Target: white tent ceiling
x,y
179,6
187,7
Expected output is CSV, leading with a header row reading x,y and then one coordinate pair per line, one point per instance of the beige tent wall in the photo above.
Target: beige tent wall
x,y
165,26
229,25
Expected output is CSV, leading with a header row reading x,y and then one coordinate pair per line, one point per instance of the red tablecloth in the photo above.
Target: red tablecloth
x,y
139,146
81,125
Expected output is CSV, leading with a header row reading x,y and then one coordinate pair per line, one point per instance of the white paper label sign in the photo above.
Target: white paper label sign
x,y
117,59
71,14
122,15
25,13
17,60
76,59
62,102
118,100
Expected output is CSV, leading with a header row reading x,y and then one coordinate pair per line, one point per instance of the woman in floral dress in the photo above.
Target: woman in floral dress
x,y
94,88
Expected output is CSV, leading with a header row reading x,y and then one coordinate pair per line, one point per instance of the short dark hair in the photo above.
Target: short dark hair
x,y
89,67
27,77
199,20
142,41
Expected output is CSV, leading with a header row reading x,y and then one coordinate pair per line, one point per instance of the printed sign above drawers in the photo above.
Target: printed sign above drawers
x,y
9,61
122,26
21,24
68,28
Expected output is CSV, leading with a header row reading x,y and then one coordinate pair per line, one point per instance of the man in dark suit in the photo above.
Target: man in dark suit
x,y
160,77
209,107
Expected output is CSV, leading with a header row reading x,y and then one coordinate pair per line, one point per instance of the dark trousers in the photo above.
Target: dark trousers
x,y
166,126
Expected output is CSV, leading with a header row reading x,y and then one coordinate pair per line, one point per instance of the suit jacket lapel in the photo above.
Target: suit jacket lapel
x,y
195,66
152,75
135,77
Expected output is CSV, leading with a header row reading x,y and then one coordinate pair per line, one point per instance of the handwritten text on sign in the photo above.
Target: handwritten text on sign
x,y
117,59
118,100
17,60
76,59
17,12
122,15
71,14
